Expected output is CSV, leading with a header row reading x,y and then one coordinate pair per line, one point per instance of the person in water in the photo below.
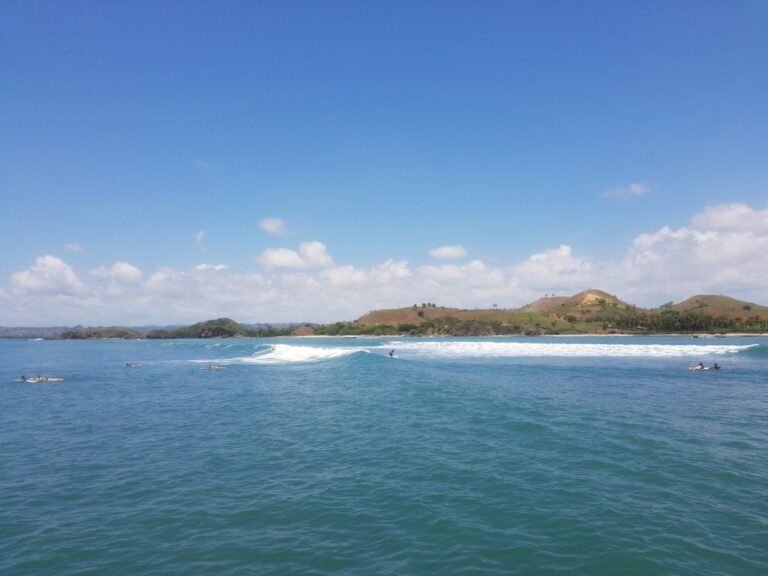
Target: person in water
x,y
392,353
716,366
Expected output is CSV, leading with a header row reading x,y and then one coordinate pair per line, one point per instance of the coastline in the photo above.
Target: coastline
x,y
694,335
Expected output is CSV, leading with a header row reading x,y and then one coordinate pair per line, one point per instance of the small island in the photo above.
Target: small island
x,y
101,333
220,328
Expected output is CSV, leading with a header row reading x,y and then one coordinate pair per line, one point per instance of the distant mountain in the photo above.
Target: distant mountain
x,y
49,332
715,305
589,312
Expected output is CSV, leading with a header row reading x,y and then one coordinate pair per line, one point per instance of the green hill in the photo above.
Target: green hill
x,y
219,328
223,328
589,312
100,333
716,305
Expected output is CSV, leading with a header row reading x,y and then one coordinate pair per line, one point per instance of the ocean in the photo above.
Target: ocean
x,y
589,456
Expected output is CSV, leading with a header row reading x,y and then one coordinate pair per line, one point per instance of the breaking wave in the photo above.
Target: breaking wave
x,y
538,349
287,353
419,349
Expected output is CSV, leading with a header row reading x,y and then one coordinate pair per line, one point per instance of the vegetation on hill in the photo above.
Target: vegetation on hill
x,y
48,332
220,328
588,312
100,333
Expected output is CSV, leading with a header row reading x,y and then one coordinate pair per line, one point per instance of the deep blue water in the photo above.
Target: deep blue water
x,y
581,456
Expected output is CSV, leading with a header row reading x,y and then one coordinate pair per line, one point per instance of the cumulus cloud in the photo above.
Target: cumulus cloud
x,y
315,254
734,217
49,275
634,190
214,267
555,270
722,250
448,252
281,258
473,274
344,276
310,255
273,226
390,270
119,271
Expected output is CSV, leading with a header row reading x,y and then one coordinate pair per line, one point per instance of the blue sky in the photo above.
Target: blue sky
x,y
159,135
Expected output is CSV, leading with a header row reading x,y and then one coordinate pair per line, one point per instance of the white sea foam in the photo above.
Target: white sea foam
x,y
287,353
497,349
290,353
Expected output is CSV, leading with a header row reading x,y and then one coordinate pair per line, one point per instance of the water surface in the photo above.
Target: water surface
x,y
459,456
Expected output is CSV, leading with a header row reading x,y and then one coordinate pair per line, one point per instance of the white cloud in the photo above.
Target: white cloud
x,y
390,270
634,190
448,252
725,250
281,258
737,217
212,267
722,250
473,274
315,254
73,247
120,271
200,239
344,276
555,270
273,226
49,275
310,255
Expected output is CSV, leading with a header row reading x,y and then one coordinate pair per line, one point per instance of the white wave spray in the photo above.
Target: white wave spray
x,y
286,354
484,349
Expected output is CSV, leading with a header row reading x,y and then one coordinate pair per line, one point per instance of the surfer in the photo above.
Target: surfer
x,y
392,353
716,366
23,378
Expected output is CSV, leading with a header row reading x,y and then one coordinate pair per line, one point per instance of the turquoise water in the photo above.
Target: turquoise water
x,y
477,456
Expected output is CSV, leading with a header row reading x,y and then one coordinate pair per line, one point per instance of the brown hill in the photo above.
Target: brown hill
x,y
588,300
547,304
409,315
589,312
718,305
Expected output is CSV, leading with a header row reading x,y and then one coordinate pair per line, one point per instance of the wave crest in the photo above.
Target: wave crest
x,y
287,353
537,349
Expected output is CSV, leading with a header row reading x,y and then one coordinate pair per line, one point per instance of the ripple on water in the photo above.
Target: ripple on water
x,y
352,463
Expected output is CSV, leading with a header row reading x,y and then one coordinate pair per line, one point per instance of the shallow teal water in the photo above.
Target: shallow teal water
x,y
504,456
